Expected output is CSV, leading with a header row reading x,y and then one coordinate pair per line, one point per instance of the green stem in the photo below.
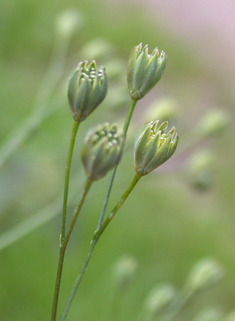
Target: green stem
x,y
110,184
177,305
63,249
66,183
93,243
116,305
42,100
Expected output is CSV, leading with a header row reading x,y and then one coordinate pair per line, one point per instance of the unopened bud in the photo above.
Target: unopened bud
x,y
213,122
209,314
125,270
153,146
69,21
98,48
165,108
87,88
159,296
201,168
144,70
205,273
102,150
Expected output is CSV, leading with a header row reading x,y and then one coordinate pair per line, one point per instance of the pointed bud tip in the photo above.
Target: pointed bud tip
x,y
153,146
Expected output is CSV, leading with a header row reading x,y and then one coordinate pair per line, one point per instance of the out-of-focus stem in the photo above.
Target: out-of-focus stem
x,y
41,102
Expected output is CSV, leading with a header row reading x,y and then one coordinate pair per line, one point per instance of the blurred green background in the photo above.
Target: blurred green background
x,y
175,217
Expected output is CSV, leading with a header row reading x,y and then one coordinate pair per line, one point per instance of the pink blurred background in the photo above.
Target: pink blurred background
x,y
206,27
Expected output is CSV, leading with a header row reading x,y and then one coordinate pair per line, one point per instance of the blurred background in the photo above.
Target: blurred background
x,y
176,216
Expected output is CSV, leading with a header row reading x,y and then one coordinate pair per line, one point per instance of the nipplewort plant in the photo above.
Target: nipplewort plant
x,y
104,145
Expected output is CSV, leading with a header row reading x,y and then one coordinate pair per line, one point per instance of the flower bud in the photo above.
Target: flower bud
x,y
87,88
68,22
159,297
214,122
204,274
125,270
98,48
144,70
209,314
201,169
165,108
102,150
153,146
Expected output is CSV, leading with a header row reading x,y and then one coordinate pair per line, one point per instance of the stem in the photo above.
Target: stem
x,y
93,243
63,249
129,116
116,305
119,204
66,183
44,215
110,184
41,217
176,305
40,105
79,278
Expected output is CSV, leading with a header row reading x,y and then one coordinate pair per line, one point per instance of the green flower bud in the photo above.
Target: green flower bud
x,y
125,270
144,70
165,108
201,169
159,297
102,150
87,88
214,122
209,314
98,48
69,22
153,146
204,274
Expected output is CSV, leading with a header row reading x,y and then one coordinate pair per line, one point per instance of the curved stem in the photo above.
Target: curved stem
x,y
63,249
66,183
93,243
110,184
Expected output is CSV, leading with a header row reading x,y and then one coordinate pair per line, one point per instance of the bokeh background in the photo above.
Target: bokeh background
x,y
176,216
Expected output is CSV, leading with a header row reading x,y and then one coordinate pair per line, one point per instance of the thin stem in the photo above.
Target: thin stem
x,y
176,305
63,249
119,204
66,183
129,116
93,243
79,278
41,217
40,105
116,305
110,184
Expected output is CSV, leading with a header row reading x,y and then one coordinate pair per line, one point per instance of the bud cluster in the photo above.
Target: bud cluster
x,y
102,150
153,146
86,90
204,274
144,70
